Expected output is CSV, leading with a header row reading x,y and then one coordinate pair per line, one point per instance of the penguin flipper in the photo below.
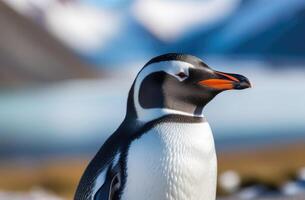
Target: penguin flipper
x,y
109,189
100,161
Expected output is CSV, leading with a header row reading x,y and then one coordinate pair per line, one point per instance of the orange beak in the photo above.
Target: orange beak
x,y
226,82
218,84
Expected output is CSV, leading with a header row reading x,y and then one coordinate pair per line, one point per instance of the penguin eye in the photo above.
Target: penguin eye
x,y
181,75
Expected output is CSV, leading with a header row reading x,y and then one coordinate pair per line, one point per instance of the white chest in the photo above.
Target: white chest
x,y
173,161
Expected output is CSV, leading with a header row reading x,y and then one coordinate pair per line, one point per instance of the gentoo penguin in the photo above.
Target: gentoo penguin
x,y
164,148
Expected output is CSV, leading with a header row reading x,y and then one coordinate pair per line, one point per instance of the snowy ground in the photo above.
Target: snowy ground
x,y
302,197
35,194
39,194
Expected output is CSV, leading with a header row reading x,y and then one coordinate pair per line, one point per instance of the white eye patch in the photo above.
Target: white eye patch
x,y
177,69
182,75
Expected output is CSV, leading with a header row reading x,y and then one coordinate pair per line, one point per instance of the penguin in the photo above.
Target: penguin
x,y
164,148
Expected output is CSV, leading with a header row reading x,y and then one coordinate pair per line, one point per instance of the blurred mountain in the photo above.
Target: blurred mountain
x,y
116,32
256,29
260,29
29,54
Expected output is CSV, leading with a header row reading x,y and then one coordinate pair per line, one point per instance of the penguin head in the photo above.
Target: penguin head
x,y
179,84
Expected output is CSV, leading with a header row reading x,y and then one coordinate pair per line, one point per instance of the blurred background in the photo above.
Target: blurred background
x,y
66,67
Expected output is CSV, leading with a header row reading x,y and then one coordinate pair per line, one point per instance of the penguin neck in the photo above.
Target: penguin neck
x,y
149,114
146,115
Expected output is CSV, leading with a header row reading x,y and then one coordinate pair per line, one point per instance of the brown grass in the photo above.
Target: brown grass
x,y
272,166
60,177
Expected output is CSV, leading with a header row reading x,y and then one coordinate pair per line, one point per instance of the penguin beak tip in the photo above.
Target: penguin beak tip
x,y
243,83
